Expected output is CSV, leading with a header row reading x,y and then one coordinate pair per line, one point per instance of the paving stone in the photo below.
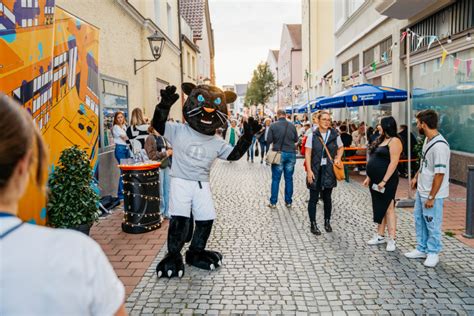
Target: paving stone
x,y
273,265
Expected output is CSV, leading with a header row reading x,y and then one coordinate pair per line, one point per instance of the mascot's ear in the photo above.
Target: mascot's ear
x,y
188,87
230,96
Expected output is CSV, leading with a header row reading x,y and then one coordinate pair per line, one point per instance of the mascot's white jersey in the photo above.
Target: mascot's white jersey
x,y
193,152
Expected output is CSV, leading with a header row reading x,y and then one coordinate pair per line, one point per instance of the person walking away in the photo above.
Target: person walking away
x,y
137,132
382,179
158,148
262,136
320,174
250,151
432,183
121,148
44,271
282,134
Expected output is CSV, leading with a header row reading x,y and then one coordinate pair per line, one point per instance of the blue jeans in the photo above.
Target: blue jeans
x,y
263,147
121,152
250,151
164,191
428,225
287,167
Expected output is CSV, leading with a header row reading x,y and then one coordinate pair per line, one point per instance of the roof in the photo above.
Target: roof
x,y
295,34
241,89
193,12
275,53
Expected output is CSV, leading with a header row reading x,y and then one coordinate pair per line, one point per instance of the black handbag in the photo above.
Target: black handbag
x,y
256,149
165,162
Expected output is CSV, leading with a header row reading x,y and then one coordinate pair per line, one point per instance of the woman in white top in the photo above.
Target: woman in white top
x,y
121,149
44,271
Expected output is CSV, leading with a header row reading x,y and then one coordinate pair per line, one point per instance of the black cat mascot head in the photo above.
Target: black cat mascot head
x,y
205,109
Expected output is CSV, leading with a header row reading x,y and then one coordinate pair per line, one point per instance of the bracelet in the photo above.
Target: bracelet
x,y
383,181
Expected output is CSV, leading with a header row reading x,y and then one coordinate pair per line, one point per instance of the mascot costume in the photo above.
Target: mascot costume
x,y
195,148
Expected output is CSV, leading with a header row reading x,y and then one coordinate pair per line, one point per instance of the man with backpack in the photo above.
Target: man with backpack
x,y
432,183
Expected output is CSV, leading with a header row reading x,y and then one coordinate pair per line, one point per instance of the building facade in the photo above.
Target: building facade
x,y
272,61
371,44
190,54
317,40
120,88
196,13
289,65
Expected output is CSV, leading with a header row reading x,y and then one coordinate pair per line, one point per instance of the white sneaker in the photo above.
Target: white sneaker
x,y
391,244
376,240
432,260
415,254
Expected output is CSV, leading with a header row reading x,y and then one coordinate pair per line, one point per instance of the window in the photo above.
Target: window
x,y
157,12
345,70
188,63
355,65
170,20
384,50
194,68
369,56
114,98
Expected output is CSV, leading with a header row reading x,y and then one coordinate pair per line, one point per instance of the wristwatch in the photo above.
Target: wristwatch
x,y
430,197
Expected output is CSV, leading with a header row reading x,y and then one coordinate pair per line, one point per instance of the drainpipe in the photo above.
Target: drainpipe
x,y
180,55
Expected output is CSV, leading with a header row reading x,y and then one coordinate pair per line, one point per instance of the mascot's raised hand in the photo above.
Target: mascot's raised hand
x,y
195,147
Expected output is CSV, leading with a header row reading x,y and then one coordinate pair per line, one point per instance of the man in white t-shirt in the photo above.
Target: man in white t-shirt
x,y
432,183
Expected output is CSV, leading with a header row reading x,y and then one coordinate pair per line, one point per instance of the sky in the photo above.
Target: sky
x,y
244,32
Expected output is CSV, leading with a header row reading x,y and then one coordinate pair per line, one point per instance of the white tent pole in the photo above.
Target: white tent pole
x,y
410,196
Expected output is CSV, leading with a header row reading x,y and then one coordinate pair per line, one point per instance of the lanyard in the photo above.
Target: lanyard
x,y
325,141
4,214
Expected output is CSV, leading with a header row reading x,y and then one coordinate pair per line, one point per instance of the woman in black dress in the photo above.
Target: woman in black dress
x,y
382,179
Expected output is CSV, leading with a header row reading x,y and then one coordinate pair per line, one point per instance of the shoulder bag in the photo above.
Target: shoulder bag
x,y
273,156
337,168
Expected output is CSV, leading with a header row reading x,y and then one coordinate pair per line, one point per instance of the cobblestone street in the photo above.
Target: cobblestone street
x,y
274,265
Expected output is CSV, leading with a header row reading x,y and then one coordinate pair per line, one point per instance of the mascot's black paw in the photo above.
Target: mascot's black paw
x,y
251,127
204,259
172,265
168,97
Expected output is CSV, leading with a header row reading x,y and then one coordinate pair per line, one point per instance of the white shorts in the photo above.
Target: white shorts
x,y
187,195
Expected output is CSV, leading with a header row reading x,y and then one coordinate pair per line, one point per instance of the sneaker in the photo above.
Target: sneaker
x,y
288,205
432,260
272,205
415,254
391,244
376,240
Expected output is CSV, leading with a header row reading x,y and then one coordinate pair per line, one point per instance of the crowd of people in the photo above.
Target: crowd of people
x,y
88,283
323,143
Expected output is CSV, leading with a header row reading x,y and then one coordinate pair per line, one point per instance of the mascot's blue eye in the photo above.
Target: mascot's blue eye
x,y
200,98
217,101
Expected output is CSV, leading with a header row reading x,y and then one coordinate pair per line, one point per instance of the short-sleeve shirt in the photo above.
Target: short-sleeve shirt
x,y
118,131
47,271
193,152
436,161
309,140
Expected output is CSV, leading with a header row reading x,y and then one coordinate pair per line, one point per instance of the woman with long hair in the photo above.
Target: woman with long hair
x,y
121,148
382,179
59,271
137,133
320,174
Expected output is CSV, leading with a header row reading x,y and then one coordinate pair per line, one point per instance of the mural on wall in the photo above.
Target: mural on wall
x,y
49,64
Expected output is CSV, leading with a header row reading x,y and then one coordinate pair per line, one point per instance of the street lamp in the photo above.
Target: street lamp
x,y
156,45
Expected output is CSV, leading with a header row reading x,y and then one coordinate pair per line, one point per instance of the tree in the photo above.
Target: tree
x,y
262,86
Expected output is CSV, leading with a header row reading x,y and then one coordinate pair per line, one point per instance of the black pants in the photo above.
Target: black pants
x,y
313,200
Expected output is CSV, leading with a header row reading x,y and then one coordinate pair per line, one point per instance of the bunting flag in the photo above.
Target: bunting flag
x,y
374,66
432,39
468,67
404,34
420,40
443,56
457,61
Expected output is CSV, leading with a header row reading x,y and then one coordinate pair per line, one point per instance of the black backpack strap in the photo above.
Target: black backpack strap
x,y
431,146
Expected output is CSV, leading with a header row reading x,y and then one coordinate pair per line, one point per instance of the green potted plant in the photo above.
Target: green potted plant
x,y
72,202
